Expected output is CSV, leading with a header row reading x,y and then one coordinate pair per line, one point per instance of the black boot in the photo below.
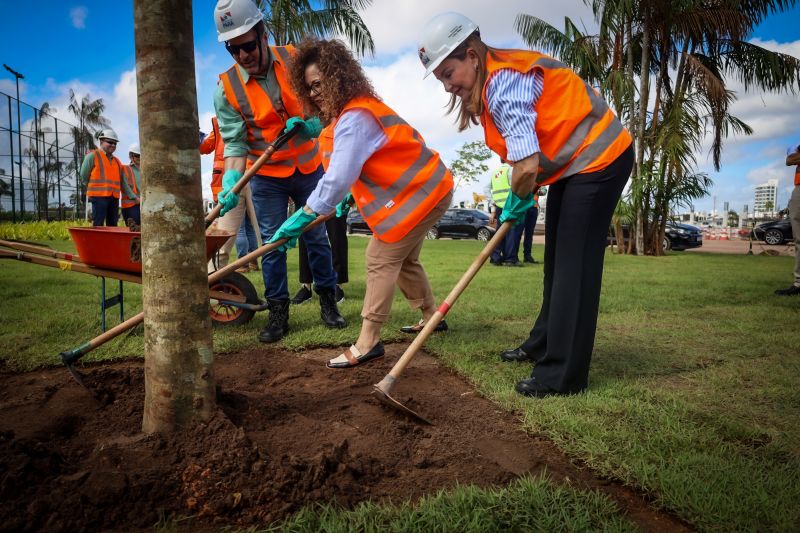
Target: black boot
x,y
278,323
328,310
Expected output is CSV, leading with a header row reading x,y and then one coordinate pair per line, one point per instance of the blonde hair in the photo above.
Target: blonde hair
x,y
470,109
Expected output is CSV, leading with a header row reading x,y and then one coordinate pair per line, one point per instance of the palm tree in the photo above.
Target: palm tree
x,y
685,50
288,21
178,351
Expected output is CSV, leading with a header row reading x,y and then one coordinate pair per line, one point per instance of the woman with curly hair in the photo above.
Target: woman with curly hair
x,y
401,186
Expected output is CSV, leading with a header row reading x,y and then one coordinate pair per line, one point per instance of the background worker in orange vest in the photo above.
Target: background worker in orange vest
x,y
793,159
401,186
245,239
131,188
101,172
254,102
557,131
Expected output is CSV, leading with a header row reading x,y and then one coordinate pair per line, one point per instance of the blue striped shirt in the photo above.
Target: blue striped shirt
x,y
512,98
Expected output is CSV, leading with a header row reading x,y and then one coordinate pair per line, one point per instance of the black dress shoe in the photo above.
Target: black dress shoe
x,y
416,328
512,264
515,355
530,259
794,290
531,387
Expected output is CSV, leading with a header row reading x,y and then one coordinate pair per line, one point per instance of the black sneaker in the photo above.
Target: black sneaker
x,y
338,294
794,290
303,295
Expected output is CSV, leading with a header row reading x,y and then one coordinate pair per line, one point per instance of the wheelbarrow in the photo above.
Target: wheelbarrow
x,y
115,253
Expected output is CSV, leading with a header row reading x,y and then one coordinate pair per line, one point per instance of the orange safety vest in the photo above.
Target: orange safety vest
x,y
577,131
400,183
797,175
130,179
213,142
265,121
105,176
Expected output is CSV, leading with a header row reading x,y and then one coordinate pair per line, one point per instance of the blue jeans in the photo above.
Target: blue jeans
x,y
105,210
527,233
270,199
134,212
506,250
246,240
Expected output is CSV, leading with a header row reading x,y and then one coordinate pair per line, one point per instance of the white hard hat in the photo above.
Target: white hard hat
x,y
134,149
441,35
109,134
235,18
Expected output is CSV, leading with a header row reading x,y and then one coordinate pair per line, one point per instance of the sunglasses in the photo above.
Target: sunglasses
x,y
248,47
112,143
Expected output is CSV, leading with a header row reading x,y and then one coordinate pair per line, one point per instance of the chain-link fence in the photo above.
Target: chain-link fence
x,y
39,164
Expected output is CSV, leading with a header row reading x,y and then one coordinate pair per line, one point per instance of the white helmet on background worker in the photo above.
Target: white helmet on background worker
x,y
109,134
134,149
441,35
235,18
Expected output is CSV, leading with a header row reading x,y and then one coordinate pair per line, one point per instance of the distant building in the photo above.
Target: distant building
x,y
766,193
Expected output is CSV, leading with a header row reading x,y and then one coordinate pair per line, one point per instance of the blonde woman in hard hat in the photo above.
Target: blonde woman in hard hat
x,y
555,130
132,188
401,186
101,174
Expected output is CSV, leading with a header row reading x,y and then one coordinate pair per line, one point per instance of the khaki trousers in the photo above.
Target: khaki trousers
x,y
390,264
794,216
231,223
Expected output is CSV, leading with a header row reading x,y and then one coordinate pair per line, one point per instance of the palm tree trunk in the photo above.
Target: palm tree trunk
x,y
179,381
641,120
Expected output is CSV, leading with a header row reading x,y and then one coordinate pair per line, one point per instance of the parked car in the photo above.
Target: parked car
x,y
356,224
462,224
677,236
774,232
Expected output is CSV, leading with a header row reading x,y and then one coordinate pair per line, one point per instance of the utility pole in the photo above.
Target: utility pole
x,y
19,143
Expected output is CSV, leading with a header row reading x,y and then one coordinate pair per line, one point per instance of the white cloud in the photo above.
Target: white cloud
x,y
78,16
395,26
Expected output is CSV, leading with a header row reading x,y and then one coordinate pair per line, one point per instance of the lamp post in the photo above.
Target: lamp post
x,y
19,143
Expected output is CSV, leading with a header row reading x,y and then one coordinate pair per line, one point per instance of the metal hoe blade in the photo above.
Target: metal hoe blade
x,y
77,375
386,399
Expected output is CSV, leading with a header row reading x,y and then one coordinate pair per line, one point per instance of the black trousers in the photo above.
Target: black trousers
x,y
579,210
337,235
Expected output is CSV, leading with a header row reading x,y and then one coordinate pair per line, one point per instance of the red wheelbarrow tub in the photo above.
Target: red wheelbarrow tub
x,y
113,248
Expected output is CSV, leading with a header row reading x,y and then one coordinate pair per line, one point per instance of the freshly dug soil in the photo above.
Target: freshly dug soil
x,y
288,432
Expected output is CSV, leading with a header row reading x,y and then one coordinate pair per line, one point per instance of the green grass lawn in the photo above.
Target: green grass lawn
x,y
693,396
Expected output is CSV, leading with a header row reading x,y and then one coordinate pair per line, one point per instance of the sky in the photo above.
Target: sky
x,y
88,46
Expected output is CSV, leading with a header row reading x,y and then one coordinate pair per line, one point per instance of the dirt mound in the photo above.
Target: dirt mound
x,y
288,432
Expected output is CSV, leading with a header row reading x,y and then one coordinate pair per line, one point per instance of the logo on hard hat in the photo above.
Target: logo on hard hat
x,y
423,56
455,31
227,19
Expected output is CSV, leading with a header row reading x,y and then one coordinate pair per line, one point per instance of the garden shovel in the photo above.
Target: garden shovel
x,y
383,390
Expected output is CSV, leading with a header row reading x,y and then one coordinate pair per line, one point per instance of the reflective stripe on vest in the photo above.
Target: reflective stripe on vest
x,y
577,131
105,176
130,179
265,119
402,182
501,186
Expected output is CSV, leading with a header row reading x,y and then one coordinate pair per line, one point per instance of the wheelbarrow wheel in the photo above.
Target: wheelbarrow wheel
x,y
230,315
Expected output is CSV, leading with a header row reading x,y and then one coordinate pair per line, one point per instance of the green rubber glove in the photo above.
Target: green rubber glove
x,y
310,128
344,206
226,196
516,208
292,228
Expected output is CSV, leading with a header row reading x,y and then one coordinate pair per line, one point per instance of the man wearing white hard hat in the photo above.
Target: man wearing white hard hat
x,y
101,173
254,104
132,188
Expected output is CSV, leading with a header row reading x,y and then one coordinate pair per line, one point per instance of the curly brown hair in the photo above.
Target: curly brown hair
x,y
341,75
